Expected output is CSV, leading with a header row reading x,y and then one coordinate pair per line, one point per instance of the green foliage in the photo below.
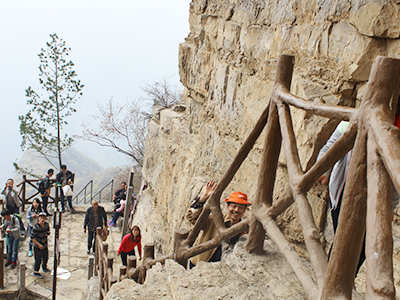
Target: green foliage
x,y
41,127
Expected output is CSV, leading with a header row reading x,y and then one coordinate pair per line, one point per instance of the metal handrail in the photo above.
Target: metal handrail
x,y
84,190
111,183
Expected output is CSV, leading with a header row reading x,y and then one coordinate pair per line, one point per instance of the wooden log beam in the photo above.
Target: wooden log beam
x,y
339,279
329,111
234,166
343,145
387,138
122,273
290,254
131,262
312,236
269,161
379,241
380,97
223,235
179,236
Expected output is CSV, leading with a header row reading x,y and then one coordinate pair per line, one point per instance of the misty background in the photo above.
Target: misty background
x,y
117,48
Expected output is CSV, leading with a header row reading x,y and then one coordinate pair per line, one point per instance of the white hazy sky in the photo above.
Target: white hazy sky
x,y
117,46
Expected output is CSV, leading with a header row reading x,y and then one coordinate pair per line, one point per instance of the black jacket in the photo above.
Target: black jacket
x,y
40,234
46,182
89,218
60,175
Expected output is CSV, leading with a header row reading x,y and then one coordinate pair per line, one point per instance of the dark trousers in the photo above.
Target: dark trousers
x,y
124,256
69,199
91,240
41,258
335,220
117,214
45,200
30,238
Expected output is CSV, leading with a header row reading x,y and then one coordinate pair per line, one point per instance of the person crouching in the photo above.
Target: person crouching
x,y
40,232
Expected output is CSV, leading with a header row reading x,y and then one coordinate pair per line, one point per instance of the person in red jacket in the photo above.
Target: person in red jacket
x,y
128,244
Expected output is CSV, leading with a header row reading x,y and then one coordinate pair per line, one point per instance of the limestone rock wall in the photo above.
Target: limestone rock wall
x,y
227,66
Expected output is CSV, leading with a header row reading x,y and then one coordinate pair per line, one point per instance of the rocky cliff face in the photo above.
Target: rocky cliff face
x,y
227,66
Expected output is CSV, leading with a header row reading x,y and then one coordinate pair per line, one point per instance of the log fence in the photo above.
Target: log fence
x,y
103,265
374,165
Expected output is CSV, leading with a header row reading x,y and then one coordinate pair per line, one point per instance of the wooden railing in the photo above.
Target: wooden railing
x,y
376,142
103,265
35,193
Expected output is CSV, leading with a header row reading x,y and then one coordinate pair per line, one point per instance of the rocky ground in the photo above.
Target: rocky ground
x,y
73,258
238,276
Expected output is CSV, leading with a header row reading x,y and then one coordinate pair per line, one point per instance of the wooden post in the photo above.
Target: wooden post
x,y
110,262
122,273
179,236
234,166
269,163
148,252
128,203
90,266
56,199
1,263
131,262
23,193
379,240
382,86
22,287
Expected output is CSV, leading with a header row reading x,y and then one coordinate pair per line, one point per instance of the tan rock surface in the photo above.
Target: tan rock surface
x,y
227,66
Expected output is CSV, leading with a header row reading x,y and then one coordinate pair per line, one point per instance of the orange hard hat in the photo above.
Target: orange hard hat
x,y
239,198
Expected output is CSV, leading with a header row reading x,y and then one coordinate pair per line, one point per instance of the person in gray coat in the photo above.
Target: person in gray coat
x,y
11,197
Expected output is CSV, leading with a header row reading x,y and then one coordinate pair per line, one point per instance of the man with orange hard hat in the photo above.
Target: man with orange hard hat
x,y
236,206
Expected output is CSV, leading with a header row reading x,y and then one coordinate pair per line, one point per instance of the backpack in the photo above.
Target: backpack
x,y
41,188
21,224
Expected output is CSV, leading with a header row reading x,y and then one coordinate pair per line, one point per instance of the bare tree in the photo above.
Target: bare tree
x,y
124,127
121,127
162,93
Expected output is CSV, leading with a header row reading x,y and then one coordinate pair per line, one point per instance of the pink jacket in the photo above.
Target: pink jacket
x,y
122,207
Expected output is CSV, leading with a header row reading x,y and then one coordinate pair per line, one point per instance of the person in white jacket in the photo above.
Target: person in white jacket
x,y
336,177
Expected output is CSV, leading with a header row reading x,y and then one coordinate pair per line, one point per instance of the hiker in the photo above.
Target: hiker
x,y
64,182
33,217
119,212
44,189
40,233
120,194
12,201
236,206
336,179
11,227
95,217
128,244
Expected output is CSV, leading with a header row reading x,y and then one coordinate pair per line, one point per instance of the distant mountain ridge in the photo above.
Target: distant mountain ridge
x,y
84,167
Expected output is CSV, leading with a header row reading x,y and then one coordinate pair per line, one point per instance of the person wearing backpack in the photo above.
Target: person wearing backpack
x,y
33,216
12,228
44,189
40,233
